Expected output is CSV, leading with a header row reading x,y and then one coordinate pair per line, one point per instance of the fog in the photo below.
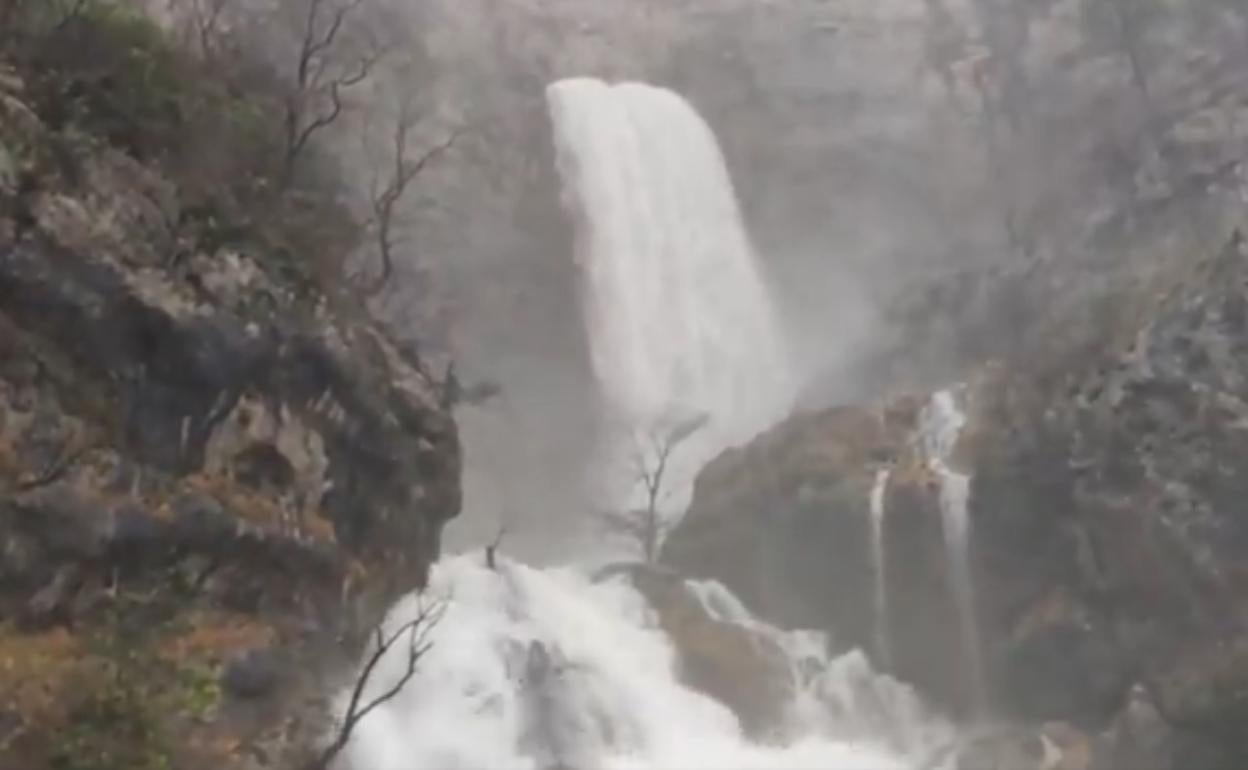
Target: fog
x,y
926,183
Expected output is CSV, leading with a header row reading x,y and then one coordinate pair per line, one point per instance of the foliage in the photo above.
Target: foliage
x,y
104,71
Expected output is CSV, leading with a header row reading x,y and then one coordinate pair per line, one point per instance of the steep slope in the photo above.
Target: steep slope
x,y
212,475
1106,532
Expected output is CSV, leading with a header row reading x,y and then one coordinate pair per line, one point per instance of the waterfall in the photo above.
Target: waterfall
x,y
942,424
679,318
879,562
541,669
842,697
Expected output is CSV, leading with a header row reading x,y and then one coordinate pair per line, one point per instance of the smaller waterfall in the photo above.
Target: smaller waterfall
x,y
838,698
942,424
880,564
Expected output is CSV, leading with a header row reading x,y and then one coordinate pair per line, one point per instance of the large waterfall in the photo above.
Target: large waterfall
x,y
679,318
550,669
547,669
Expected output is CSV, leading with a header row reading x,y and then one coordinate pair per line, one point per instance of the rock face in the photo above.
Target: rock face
x,y
210,479
738,666
936,180
1106,531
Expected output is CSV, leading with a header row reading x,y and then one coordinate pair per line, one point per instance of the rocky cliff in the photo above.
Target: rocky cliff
x,y
1106,532
213,475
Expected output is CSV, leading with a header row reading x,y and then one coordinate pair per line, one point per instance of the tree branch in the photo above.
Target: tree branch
x,y
417,632
385,202
313,82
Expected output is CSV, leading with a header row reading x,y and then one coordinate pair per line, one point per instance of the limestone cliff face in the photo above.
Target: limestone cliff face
x,y
211,478
1107,532
928,182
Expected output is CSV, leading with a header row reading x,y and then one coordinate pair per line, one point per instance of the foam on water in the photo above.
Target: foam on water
x,y
536,669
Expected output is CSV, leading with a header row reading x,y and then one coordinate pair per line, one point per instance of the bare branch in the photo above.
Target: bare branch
x,y
318,78
653,450
416,632
385,199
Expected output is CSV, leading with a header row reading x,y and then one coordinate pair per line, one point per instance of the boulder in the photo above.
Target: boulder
x,y
734,664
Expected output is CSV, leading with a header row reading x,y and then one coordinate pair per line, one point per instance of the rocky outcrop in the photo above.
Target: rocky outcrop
x,y
211,477
739,666
1106,531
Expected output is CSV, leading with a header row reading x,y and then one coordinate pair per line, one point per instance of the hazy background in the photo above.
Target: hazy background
x,y
927,183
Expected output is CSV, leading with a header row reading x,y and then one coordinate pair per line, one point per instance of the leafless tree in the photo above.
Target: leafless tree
x,y
201,23
325,66
413,637
389,188
652,457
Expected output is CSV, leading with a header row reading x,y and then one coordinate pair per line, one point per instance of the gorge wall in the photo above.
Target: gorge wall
x,y
1106,532
928,183
213,475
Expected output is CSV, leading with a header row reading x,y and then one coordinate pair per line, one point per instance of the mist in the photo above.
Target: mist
x,y
629,384
926,184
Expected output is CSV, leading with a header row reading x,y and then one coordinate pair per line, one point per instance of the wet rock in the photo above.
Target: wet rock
x,y
128,465
762,519
200,520
254,674
136,533
1063,662
68,523
51,604
1107,536
1139,737
8,172
1054,746
736,665
10,723
22,560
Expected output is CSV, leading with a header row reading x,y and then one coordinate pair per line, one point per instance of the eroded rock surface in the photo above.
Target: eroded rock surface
x,y
211,478
1106,541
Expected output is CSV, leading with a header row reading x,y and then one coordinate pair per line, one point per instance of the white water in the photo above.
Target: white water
x,y
942,425
879,562
540,669
679,318
840,698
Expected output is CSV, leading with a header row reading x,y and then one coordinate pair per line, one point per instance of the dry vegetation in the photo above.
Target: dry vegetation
x,y
237,103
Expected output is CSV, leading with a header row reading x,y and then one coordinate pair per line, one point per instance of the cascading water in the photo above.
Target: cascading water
x,y
550,670
679,318
542,669
942,424
879,562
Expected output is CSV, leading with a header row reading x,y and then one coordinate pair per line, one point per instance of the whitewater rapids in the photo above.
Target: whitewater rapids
x,y
541,669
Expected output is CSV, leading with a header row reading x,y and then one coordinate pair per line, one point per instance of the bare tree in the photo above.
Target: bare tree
x,y
324,68
652,457
413,638
202,23
387,192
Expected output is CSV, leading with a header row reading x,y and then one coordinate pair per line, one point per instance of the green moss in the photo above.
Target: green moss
x,y
111,71
198,691
215,129
117,727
